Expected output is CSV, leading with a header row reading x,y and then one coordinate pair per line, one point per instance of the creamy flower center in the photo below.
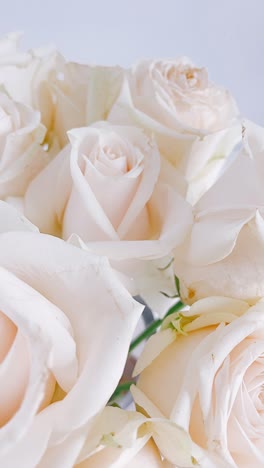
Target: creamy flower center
x,y
187,77
112,156
111,160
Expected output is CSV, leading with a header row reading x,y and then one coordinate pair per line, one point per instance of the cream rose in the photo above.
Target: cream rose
x,y
21,154
204,371
82,94
66,323
194,120
109,189
223,254
26,76
180,96
67,94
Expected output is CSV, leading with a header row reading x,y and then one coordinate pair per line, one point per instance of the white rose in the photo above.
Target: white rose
x,y
67,94
204,371
192,118
180,96
109,189
82,94
26,76
66,323
227,233
21,154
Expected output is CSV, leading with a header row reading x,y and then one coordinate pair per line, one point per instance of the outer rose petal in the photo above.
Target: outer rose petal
x,y
12,220
46,208
247,256
230,217
50,346
61,273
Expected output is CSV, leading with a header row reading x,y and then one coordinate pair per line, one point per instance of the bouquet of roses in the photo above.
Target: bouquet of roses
x,y
122,187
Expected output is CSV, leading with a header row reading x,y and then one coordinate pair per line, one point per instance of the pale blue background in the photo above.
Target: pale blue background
x,y
225,35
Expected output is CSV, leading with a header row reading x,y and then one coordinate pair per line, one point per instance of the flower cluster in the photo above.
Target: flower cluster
x,y
118,185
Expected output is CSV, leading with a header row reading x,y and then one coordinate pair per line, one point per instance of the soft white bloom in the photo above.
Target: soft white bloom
x,y
180,96
204,371
66,323
67,94
82,94
108,188
25,75
193,120
224,251
27,78
21,154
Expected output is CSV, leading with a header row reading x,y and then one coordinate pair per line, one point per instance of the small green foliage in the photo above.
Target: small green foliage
x,y
177,285
173,296
178,322
177,288
167,266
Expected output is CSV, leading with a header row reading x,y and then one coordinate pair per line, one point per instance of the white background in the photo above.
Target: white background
x,y
225,35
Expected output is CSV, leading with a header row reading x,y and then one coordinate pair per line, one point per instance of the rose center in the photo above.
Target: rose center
x,y
188,78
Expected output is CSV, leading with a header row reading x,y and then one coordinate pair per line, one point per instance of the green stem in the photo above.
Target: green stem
x,y
150,330
121,388
125,386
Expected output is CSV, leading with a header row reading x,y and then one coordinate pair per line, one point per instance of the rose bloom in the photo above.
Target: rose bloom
x,y
67,94
66,322
81,94
180,96
26,75
223,253
27,78
21,154
193,119
204,371
108,188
